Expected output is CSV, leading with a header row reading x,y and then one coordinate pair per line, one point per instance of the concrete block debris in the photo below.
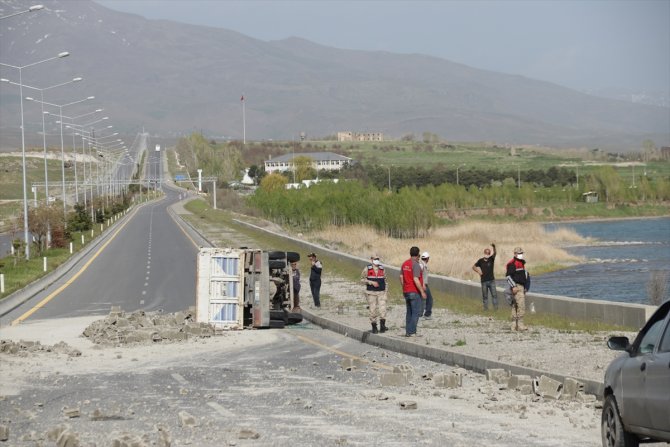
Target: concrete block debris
x,y
68,438
571,387
408,405
71,412
498,375
521,382
406,369
548,387
22,348
350,364
393,379
247,433
584,397
4,432
128,440
452,380
186,419
145,328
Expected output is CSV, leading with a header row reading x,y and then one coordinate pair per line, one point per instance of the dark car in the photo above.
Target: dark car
x,y
636,400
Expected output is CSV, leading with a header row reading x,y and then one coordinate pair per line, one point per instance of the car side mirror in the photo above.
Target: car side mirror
x,y
618,343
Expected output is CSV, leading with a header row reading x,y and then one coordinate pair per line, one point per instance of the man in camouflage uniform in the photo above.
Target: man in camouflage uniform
x,y
374,277
518,281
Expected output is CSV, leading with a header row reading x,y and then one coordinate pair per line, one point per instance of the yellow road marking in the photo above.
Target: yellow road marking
x,y
71,280
342,353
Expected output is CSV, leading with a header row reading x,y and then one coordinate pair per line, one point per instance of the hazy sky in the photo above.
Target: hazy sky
x,y
583,44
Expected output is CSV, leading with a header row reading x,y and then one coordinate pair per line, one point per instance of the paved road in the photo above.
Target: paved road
x,y
149,263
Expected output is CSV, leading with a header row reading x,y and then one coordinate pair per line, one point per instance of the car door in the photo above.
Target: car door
x,y
658,383
634,373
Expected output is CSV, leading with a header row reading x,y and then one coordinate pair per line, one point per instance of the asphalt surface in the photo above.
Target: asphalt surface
x,y
146,263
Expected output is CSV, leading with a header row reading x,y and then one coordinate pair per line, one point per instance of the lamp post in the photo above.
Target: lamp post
x,y
44,134
31,9
78,129
62,144
23,144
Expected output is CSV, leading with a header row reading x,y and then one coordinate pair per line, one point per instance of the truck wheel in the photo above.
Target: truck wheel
x,y
294,317
277,324
279,315
273,255
291,256
274,265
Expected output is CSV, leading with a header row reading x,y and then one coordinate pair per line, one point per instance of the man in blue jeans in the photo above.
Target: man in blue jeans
x,y
427,310
411,280
484,268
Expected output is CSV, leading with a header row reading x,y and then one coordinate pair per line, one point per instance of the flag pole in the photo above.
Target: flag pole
x,y
244,124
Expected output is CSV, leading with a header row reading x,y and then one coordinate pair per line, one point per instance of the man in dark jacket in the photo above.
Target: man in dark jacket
x,y
315,279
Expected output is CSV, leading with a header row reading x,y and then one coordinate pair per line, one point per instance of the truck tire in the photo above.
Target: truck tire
x,y
276,264
277,324
294,317
279,315
291,256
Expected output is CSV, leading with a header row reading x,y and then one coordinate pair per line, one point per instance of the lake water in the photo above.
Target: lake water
x,y
618,263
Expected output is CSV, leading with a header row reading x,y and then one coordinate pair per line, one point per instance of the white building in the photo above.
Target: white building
x,y
321,161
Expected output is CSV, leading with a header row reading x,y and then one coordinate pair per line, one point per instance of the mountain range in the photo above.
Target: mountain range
x,y
172,79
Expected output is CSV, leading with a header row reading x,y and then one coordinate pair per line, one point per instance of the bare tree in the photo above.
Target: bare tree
x,y
657,287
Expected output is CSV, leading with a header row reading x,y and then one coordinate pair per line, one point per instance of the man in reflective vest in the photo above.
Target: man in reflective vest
x,y
518,281
374,277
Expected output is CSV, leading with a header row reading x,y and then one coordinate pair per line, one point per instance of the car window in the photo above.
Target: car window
x,y
650,339
665,341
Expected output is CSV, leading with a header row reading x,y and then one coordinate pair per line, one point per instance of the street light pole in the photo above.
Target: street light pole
x,y
62,144
23,146
44,134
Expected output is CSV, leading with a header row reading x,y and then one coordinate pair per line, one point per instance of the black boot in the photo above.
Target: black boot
x,y
374,328
382,327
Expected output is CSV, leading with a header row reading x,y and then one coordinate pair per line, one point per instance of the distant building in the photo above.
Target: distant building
x,y
321,161
590,197
665,153
355,136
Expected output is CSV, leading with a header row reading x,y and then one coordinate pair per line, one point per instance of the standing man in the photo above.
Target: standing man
x,y
484,268
374,277
428,311
411,279
295,273
518,281
315,279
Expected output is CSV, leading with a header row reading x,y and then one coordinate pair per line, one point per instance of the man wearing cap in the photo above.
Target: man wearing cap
x,y
518,281
484,268
428,304
315,279
411,280
374,277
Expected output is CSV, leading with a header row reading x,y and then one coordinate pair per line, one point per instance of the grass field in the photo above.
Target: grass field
x,y
488,156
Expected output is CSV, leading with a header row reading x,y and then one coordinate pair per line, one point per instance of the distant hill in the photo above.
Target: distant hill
x,y
175,78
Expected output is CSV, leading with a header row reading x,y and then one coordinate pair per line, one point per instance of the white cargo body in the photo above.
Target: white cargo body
x,y
232,288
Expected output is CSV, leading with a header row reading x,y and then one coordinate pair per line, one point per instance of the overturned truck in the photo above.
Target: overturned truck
x,y
240,288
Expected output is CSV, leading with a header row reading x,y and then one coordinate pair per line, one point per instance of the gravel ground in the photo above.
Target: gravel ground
x,y
478,335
